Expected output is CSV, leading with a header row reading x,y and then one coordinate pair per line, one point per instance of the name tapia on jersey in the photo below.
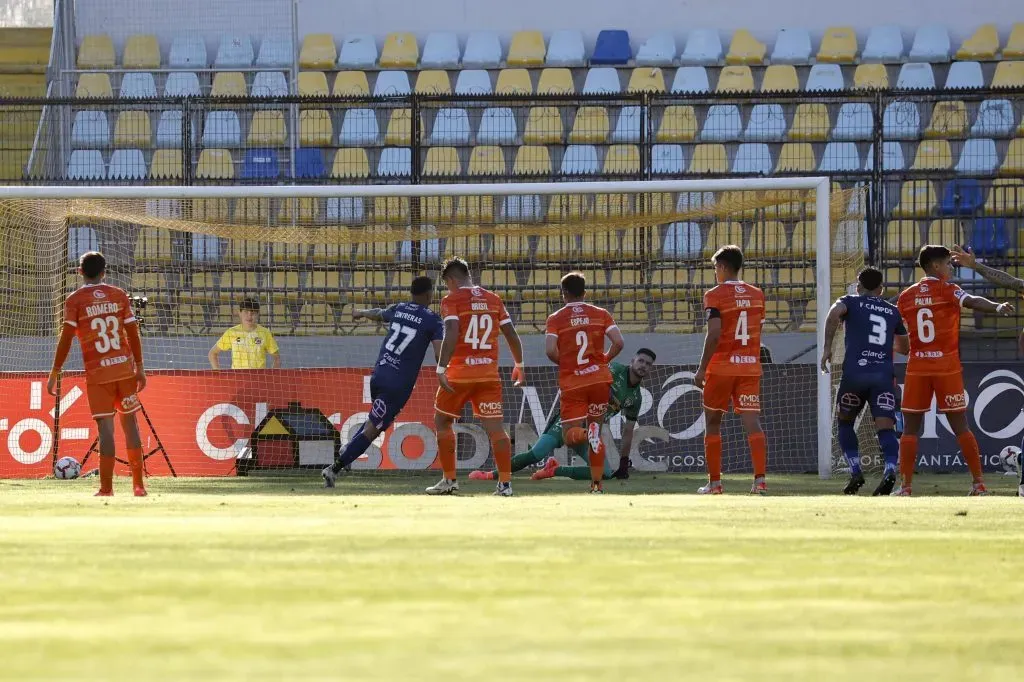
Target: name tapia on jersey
x,y
741,309
872,324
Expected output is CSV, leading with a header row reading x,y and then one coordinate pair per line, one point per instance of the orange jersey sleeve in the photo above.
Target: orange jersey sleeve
x,y
580,329
741,309
480,314
99,314
931,312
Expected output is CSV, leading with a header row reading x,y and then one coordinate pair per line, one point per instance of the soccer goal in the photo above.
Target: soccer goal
x,y
310,257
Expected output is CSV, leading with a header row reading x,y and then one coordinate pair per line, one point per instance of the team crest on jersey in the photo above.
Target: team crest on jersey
x,y
258,341
740,289
576,309
924,289
97,293
476,291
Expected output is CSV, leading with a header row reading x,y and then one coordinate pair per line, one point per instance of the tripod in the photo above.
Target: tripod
x,y
159,449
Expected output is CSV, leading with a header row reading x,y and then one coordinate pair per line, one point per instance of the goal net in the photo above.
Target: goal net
x,y
312,255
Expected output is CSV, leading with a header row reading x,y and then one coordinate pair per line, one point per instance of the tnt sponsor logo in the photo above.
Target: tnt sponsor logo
x,y
587,370
928,354
750,400
490,409
743,359
472,362
111,362
956,401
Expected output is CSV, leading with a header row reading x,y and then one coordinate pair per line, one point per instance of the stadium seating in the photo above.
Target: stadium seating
x,y
127,165
473,82
1008,75
916,77
182,84
93,85
400,51
141,52
646,80
276,51
722,124
995,119
982,44
260,164
514,82
854,122
838,46
735,79
796,157
767,123
315,128
901,121
962,196
1014,47
133,130
792,46
526,49
884,45
346,84
780,78
451,126
703,48
90,129
222,129
566,49
752,158
933,155
949,119
629,125
579,159
871,77
497,126
840,157
228,84
931,44
96,52
441,51
309,164
658,50
709,158
234,52
188,52
136,86
167,164
612,47
434,82
964,76
810,122
169,130
269,84
824,77
745,49
358,51
392,84
667,159
483,50
318,51
691,79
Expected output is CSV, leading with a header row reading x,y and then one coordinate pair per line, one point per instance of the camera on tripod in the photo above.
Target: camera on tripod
x,y
139,304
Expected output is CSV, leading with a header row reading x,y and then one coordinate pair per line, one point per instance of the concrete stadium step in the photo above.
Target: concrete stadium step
x,y
24,50
24,54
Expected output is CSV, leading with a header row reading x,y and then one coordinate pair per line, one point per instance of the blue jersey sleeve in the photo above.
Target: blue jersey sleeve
x,y
388,313
901,329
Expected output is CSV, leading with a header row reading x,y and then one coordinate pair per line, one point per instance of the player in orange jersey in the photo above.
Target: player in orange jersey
x,y
101,316
467,370
730,366
575,342
931,312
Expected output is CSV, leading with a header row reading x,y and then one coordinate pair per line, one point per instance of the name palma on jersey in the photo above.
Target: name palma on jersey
x,y
102,309
927,300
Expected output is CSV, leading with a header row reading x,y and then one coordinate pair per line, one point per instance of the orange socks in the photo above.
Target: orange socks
x,y
758,452
969,446
135,464
446,452
596,452
106,473
502,447
713,457
908,457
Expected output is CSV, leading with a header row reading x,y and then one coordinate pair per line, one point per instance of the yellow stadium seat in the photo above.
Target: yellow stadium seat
x,y
631,316
949,119
949,231
1006,197
399,132
613,205
556,82
767,240
527,49
166,165
153,246
803,243
745,49
600,245
267,129
809,323
1014,162
1014,48
810,123
1008,75
351,84
318,51
918,199
532,160
933,155
510,248
252,210
400,51
93,85
721,234
796,157
514,82
303,209
621,159
780,78
133,130
552,247
838,45
544,126
315,128
487,160
788,204
228,84
709,158
478,208
735,79
501,282
141,52
591,125
778,314
676,317
314,84
570,206
442,161
433,82
96,52
646,79
871,77
983,45
350,162
678,124
215,164
211,210
543,284
391,209
902,238
534,313
795,283
668,283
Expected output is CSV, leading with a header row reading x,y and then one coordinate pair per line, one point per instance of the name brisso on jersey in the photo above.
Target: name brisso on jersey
x,y
872,323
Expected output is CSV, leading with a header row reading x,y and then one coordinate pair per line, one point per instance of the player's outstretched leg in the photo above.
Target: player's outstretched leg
x,y
133,441
448,485
105,426
544,446
847,437
596,457
355,448
550,468
501,447
890,445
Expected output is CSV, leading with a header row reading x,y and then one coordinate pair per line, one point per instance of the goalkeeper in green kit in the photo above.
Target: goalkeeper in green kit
x,y
625,398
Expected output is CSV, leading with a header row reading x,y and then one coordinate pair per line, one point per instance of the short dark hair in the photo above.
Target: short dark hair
x,y
648,352
421,285
574,284
870,278
931,252
453,266
249,303
93,264
730,255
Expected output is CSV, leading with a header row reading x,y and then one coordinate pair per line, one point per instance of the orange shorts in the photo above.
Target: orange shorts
x,y
485,396
115,396
744,391
948,390
585,402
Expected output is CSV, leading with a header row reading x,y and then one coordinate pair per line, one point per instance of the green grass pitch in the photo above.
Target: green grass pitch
x,y
274,578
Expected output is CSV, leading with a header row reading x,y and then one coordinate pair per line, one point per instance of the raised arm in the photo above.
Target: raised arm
x,y
986,306
372,314
965,258
832,322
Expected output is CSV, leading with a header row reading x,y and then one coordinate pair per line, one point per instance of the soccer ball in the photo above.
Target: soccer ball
x,y
1008,457
67,468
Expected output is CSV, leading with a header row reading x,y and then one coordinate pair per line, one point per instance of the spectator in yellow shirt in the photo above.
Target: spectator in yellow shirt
x,y
248,342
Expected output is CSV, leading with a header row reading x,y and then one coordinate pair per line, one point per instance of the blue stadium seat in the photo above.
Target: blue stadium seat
x,y
931,44
483,50
916,77
884,44
995,119
441,51
691,79
579,159
825,78
127,164
473,82
276,51
260,164
682,240
168,130
188,52
892,157
451,127
269,84
855,122
722,124
840,157
207,248
392,84
80,240
978,157
752,157
964,76
309,163
359,129
222,129
182,84
703,48
658,50
767,124
358,51
667,159
86,164
612,47
347,210
629,125
235,52
901,121
566,49
963,196
90,129
395,162
138,85
498,126
792,46
989,237
602,80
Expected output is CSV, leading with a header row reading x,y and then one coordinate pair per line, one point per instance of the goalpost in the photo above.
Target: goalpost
x,y
313,255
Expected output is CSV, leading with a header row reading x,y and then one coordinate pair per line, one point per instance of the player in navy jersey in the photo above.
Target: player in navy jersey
x,y
411,329
874,331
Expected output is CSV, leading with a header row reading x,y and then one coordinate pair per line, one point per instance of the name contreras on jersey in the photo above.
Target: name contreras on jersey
x,y
406,316
102,309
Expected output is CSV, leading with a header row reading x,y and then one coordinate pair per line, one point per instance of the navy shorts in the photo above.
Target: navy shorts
x,y
385,404
877,391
